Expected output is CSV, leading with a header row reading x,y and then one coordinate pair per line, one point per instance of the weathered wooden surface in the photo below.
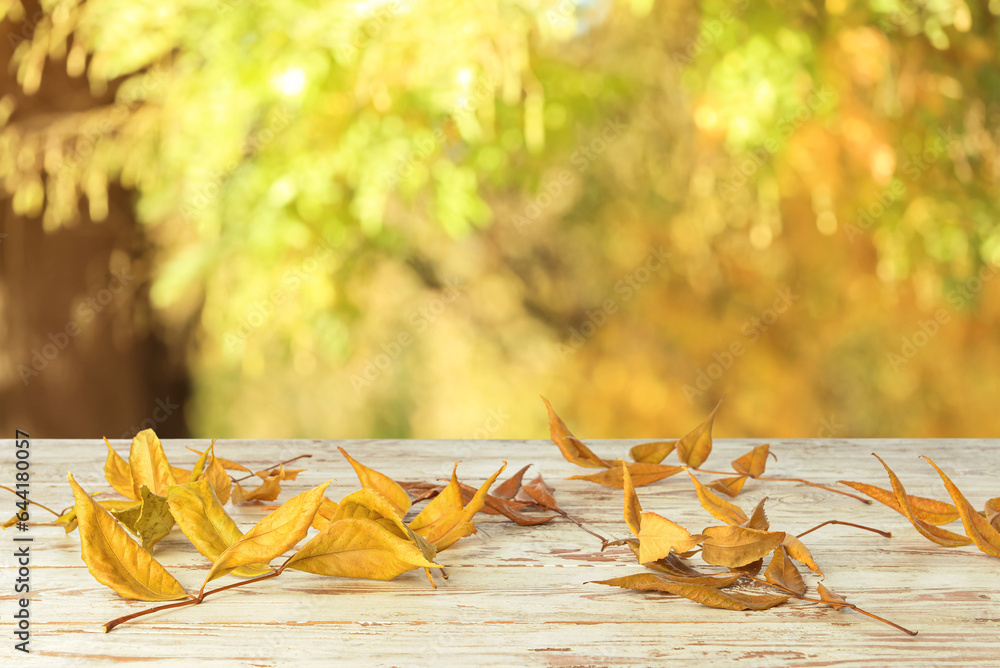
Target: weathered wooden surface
x,y
519,595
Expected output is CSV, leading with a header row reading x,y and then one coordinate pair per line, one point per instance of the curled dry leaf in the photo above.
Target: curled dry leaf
x,y
929,531
381,483
992,511
653,452
797,550
835,600
119,473
719,508
735,546
154,521
507,507
696,446
68,519
197,510
754,462
926,510
117,561
986,538
281,472
758,518
509,488
708,596
677,570
324,514
268,490
273,535
571,447
445,519
642,474
149,465
782,572
729,486
541,493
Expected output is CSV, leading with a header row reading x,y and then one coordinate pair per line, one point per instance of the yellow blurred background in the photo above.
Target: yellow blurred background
x,y
394,218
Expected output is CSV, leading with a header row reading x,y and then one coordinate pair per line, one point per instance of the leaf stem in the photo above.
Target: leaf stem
x,y
34,503
887,534
813,484
268,468
832,605
580,524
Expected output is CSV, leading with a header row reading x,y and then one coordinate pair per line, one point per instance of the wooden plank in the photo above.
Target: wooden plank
x,y
520,595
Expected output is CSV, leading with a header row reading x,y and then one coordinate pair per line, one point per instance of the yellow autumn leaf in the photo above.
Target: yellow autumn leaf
x,y
977,527
735,546
119,473
272,536
658,536
445,520
653,452
154,521
117,561
696,446
928,531
752,463
717,506
381,483
324,514
197,510
149,464
358,548
268,490
642,474
572,448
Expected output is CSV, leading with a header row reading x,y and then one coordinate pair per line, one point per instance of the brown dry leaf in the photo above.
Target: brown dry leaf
x,y
929,531
729,486
273,535
797,550
675,569
751,569
653,452
381,483
927,510
119,473
719,508
571,447
359,548
642,474
148,464
197,510
505,507
268,490
709,596
117,561
782,572
445,520
324,514
752,463
835,600
541,493
508,488
696,446
735,546
986,538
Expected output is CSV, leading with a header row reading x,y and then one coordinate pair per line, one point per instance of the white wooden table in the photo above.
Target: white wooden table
x,y
519,595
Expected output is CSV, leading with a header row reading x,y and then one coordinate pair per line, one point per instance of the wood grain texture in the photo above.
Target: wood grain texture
x,y
519,595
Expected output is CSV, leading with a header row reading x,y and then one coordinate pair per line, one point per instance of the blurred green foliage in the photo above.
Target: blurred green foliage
x,y
403,218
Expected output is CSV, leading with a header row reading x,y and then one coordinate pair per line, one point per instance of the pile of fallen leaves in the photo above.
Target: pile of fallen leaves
x,y
364,535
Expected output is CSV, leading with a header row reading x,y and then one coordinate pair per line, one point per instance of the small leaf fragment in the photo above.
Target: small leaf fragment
x,y
835,600
696,446
509,488
154,521
268,490
754,462
117,561
729,486
758,518
782,572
